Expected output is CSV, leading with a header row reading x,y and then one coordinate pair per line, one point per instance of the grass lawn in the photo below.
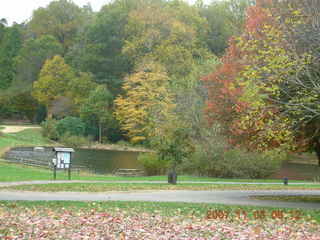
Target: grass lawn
x,y
13,172
144,220
309,199
105,187
27,137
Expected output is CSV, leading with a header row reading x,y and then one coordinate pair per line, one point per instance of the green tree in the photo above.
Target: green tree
x,y
3,24
53,82
97,108
32,56
225,19
79,88
99,46
61,19
9,49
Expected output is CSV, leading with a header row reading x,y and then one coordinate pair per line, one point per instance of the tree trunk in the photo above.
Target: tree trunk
x,y
172,175
317,150
49,113
100,133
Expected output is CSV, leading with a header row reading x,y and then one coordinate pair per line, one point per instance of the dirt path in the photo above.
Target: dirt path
x,y
15,129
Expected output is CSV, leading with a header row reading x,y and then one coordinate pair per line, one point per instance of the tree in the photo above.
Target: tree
x,y
300,95
33,54
10,46
61,19
223,93
146,102
172,143
24,104
168,33
53,81
225,19
256,64
97,108
98,48
80,87
3,24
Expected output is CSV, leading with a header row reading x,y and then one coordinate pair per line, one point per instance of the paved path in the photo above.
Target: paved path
x,y
228,197
15,129
8,184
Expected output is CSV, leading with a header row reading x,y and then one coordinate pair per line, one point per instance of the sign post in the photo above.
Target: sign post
x,y
54,161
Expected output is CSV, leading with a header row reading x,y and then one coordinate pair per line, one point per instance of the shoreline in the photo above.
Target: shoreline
x,y
115,147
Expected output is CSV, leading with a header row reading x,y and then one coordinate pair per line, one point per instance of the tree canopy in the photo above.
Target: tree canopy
x,y
155,71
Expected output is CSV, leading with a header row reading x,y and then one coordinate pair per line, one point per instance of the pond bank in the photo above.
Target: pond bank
x,y
115,147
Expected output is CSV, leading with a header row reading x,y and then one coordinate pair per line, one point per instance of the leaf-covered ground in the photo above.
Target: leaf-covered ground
x,y
46,223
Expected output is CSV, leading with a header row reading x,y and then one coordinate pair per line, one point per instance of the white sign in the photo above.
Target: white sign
x,y
64,159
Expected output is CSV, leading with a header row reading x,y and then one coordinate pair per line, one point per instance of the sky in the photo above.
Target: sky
x,y
21,10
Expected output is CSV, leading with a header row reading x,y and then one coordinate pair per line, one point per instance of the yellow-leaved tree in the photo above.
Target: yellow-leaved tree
x,y
53,81
146,103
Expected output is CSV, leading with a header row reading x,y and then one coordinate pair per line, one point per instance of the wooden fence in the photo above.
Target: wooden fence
x,y
41,164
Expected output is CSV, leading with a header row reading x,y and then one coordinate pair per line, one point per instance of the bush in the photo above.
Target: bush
x,y
74,141
72,126
49,129
124,143
235,163
152,164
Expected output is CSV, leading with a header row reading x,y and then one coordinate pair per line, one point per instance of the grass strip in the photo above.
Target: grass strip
x,y
10,172
105,187
308,199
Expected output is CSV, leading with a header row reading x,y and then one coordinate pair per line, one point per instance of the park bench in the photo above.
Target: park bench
x,y
128,172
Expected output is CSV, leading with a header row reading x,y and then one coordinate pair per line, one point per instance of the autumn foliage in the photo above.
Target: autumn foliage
x,y
242,90
223,101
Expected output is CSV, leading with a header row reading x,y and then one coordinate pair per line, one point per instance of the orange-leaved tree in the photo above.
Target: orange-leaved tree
x,y
243,92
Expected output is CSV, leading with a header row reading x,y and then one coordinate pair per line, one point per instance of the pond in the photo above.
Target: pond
x,y
106,161
97,161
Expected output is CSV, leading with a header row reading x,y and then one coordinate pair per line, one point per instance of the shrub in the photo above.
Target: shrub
x,y
49,129
152,164
41,114
235,163
74,141
72,126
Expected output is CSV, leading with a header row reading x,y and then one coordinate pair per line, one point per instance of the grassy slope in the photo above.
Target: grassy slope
x,y
28,137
